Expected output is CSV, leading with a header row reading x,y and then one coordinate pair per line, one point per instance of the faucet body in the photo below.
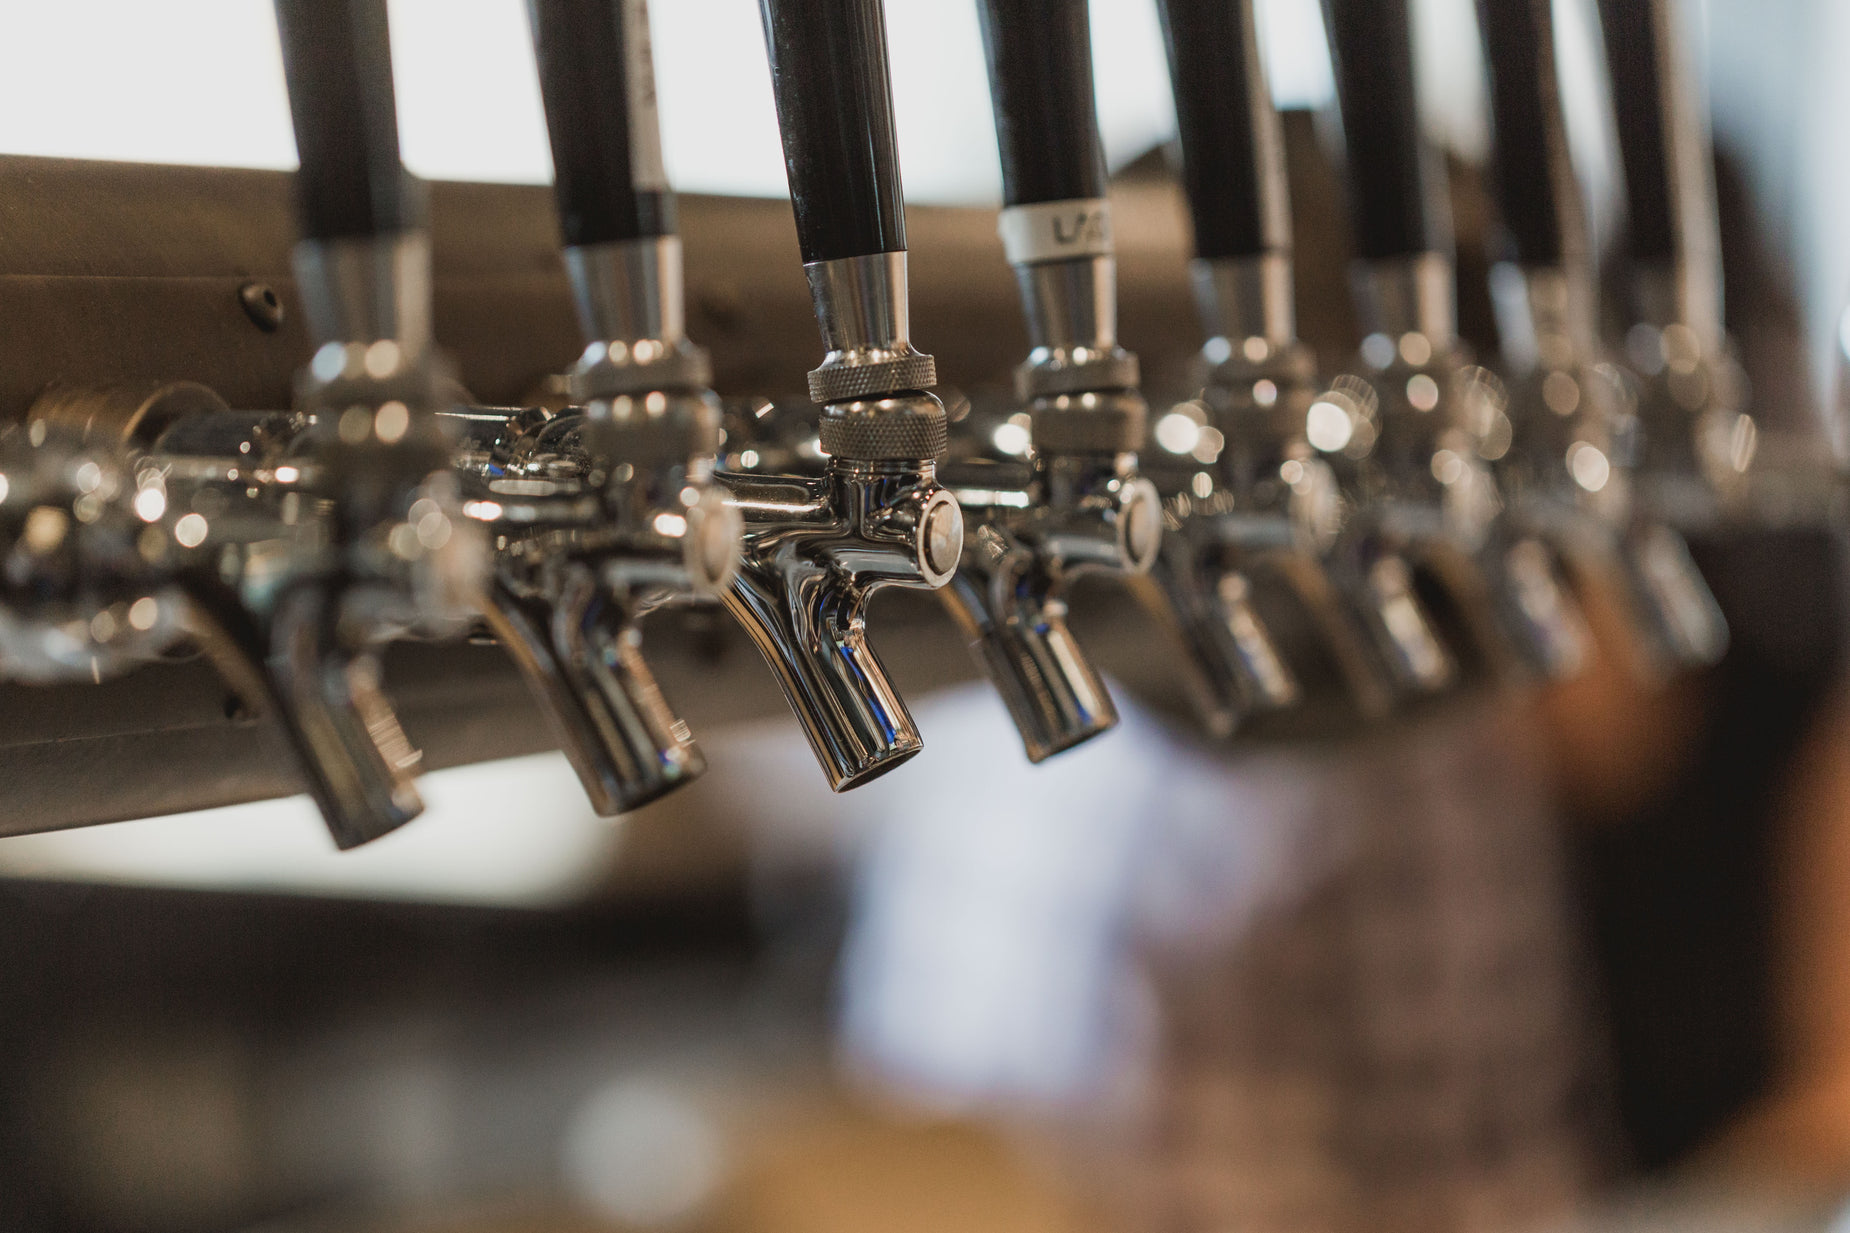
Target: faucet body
x,y
1571,468
815,550
1251,509
589,540
191,523
1032,531
1573,453
1078,506
1431,526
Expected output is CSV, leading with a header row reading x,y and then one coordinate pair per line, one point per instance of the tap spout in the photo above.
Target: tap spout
x,y
815,551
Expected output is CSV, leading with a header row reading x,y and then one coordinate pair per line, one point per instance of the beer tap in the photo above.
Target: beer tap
x,y
1077,505
1250,506
607,511
395,556
287,546
1566,471
1694,443
816,548
1417,421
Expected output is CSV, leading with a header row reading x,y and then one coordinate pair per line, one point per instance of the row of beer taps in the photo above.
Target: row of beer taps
x,y
1354,546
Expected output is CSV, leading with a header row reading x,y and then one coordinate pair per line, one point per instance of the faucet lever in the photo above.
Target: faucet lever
x,y
1664,153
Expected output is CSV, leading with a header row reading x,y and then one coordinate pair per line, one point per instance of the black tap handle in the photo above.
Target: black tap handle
x,y
1639,55
1393,191
1536,191
1040,80
337,57
1233,158
835,108
597,81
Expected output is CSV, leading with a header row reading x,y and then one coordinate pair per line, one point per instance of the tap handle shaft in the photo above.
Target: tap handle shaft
x,y
1636,55
1233,155
337,58
597,81
835,109
1394,188
1664,145
1536,190
1040,80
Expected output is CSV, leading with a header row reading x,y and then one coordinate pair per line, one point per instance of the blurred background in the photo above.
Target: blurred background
x,y
1564,958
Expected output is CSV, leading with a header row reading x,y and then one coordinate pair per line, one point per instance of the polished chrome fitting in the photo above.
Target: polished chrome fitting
x,y
815,550
863,307
1071,307
368,289
1428,504
1245,298
1034,529
630,299
1250,509
588,542
1077,505
1067,272
237,550
892,429
1413,295
1109,421
1568,471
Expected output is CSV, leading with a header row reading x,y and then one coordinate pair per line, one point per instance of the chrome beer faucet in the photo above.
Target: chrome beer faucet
x,y
1695,444
1417,422
1251,507
373,447
1079,506
816,548
1567,469
607,511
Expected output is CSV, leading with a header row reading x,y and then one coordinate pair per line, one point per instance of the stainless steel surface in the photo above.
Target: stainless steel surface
x,y
1545,315
630,300
1569,473
1071,308
233,552
1031,535
629,290
588,542
1407,296
1078,505
172,736
815,551
1251,511
1426,506
1247,297
863,306
364,290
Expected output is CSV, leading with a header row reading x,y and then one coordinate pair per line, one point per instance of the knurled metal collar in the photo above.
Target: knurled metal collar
x,y
1076,372
890,429
872,378
612,369
1105,423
